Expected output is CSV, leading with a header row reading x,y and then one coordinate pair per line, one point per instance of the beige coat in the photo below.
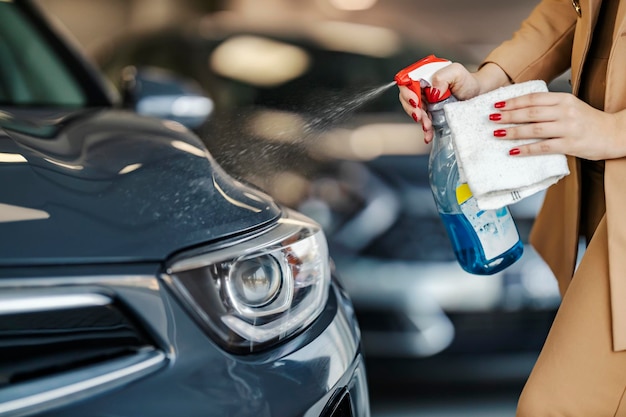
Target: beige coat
x,y
551,40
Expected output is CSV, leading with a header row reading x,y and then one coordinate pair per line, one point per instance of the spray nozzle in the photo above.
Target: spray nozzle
x,y
419,74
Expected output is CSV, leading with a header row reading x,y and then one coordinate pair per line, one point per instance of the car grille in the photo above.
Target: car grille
x,y
43,342
63,338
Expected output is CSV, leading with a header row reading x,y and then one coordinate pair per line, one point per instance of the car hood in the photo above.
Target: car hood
x,y
110,186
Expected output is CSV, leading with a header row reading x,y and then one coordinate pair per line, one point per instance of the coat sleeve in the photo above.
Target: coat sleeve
x,y
541,48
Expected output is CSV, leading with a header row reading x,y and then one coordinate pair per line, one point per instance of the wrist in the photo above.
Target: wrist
x,y
491,76
617,126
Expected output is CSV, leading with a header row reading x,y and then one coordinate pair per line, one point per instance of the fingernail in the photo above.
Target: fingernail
x,y
414,116
500,133
435,94
424,128
412,103
499,104
495,116
514,151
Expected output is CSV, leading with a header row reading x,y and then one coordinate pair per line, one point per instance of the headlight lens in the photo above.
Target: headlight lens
x,y
255,282
260,291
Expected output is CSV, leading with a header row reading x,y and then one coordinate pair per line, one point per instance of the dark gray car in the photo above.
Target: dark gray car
x,y
137,278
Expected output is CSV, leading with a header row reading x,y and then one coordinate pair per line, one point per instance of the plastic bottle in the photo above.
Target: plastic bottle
x,y
484,241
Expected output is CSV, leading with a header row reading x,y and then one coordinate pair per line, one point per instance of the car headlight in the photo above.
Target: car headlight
x,y
259,291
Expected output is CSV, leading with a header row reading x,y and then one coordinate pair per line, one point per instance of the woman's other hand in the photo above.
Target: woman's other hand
x,y
568,125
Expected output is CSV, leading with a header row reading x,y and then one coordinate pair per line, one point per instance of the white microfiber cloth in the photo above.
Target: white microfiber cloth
x,y
496,178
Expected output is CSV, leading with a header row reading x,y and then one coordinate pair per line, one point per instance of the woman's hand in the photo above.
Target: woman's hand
x,y
463,85
568,125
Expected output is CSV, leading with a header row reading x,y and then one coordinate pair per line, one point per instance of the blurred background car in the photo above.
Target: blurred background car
x,y
306,111
136,276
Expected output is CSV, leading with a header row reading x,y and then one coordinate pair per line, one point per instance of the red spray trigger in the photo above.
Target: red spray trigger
x,y
418,75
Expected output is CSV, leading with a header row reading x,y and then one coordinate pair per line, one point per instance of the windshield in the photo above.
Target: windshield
x,y
32,73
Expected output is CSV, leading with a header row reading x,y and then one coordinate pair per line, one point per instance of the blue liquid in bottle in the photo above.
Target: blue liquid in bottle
x,y
484,241
469,250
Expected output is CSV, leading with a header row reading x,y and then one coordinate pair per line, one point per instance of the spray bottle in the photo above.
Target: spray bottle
x,y
484,241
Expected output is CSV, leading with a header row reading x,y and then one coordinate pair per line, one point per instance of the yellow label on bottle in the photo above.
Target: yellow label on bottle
x,y
463,193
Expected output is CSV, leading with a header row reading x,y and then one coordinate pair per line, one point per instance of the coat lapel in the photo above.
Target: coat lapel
x,y
615,170
616,81
614,177
582,38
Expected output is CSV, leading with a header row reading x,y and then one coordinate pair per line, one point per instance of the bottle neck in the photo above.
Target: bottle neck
x,y
440,124
436,111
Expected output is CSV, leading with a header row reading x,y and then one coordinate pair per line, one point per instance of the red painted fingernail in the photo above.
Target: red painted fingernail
x,y
495,116
435,94
414,116
412,103
499,104
514,151
424,128
500,133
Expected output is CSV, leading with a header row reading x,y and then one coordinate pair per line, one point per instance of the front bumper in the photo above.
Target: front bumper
x,y
185,373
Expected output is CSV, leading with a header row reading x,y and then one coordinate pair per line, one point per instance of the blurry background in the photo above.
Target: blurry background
x,y
473,26
302,107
